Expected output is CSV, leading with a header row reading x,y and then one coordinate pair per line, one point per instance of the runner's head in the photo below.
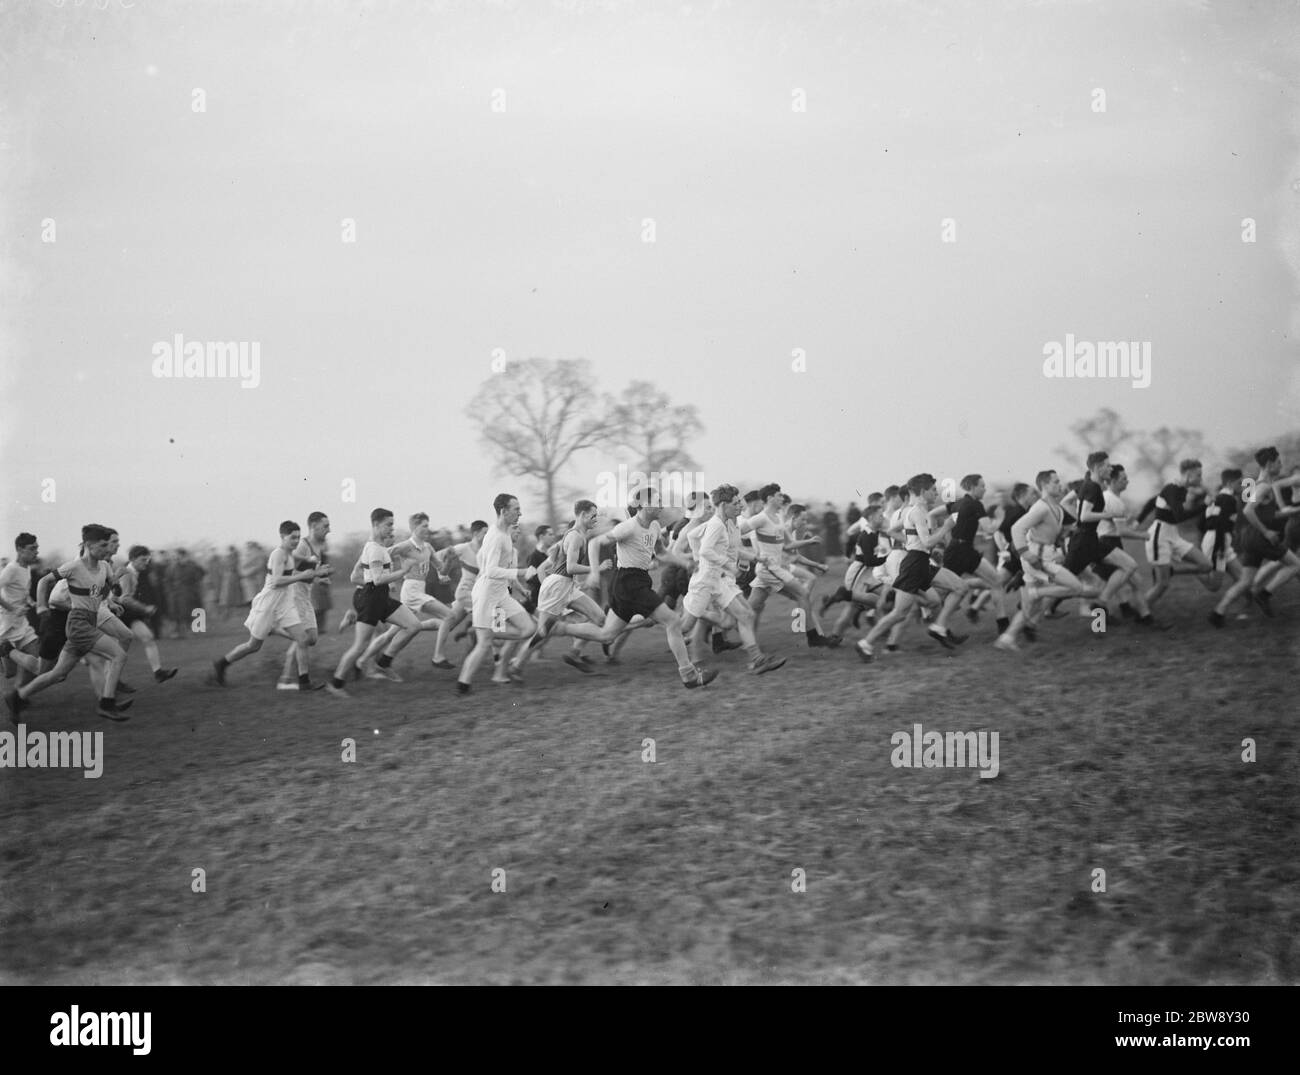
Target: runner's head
x,y
381,524
476,531
753,502
1097,466
770,495
318,524
1270,462
727,501
420,526
94,540
647,500
290,534
1048,483
1230,479
544,536
922,487
974,485
1118,478
139,557
506,505
584,513
27,548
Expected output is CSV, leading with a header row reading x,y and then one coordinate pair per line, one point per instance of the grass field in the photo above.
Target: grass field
x,y
1120,752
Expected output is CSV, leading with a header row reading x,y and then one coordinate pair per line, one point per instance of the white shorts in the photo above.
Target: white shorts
x,y
1165,544
302,602
703,605
414,596
272,610
1051,565
859,580
710,592
556,594
892,563
1227,556
772,577
485,606
464,596
15,629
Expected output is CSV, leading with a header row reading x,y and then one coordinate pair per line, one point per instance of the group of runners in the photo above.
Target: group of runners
x,y
915,556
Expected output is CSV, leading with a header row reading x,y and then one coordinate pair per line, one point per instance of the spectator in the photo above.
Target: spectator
x,y
231,596
851,516
185,593
252,569
831,540
157,574
212,581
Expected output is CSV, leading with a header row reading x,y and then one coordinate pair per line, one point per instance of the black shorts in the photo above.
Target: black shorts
x,y
745,580
915,573
962,558
633,595
53,634
1085,550
1291,535
374,604
1107,545
1256,549
675,581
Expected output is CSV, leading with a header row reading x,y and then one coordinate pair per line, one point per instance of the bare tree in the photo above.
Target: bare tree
x,y
1155,453
1105,431
536,415
654,430
1288,444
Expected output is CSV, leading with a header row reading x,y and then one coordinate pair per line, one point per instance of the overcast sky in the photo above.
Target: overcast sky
x,y
798,162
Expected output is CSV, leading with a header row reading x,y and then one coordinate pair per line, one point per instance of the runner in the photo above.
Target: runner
x,y
493,607
1262,538
374,605
275,609
1036,537
89,584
